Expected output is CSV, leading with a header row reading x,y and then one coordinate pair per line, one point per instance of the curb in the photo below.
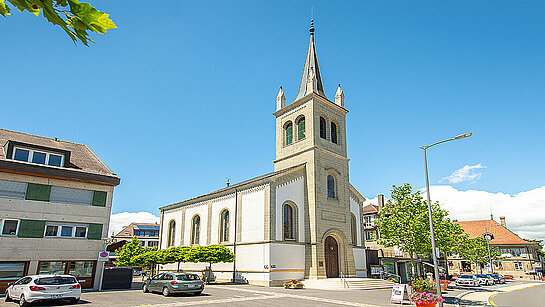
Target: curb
x,y
459,297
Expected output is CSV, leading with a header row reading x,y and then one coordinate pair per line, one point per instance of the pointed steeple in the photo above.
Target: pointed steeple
x,y
311,81
280,99
339,96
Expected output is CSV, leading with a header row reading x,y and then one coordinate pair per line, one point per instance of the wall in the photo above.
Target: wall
x,y
355,209
292,191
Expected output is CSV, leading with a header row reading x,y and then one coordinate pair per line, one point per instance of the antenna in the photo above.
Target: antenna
x,y
228,179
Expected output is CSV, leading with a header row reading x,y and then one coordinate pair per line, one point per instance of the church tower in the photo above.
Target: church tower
x,y
312,131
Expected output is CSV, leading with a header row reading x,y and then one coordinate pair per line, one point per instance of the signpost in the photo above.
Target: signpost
x,y
102,258
399,294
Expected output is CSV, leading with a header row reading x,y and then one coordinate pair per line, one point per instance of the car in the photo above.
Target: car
x,y
171,283
485,279
42,288
509,277
498,278
467,280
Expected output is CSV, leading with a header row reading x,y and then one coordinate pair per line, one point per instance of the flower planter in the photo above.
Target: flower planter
x,y
296,286
444,286
429,304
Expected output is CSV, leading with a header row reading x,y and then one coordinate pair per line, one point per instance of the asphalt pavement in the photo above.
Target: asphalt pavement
x,y
528,297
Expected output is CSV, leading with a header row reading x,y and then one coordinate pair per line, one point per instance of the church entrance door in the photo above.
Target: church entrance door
x,y
331,257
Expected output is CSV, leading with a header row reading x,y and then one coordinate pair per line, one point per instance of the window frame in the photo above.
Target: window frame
x,y
334,131
323,128
2,225
287,126
292,222
354,229
171,233
224,226
518,264
30,157
333,188
195,238
59,230
301,119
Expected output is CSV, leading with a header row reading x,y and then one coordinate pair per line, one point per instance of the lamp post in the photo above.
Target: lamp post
x,y
488,236
434,252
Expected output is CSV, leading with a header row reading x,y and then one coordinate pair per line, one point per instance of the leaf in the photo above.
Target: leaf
x,y
93,19
4,9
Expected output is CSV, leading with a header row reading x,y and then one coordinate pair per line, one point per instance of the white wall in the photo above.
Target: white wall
x,y
294,192
175,215
359,262
227,202
202,210
355,209
253,215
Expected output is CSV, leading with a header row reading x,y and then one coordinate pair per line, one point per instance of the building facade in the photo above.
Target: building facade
x,y
146,233
55,203
302,221
518,257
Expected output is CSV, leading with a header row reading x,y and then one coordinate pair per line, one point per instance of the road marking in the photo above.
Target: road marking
x,y
459,297
494,304
218,301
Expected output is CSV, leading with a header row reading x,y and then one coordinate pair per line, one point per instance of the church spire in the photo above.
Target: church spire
x,y
311,81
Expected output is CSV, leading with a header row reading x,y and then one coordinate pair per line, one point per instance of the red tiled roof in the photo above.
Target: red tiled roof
x,y
370,209
502,235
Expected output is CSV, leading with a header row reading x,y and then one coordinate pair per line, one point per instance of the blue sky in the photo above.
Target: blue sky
x,y
181,95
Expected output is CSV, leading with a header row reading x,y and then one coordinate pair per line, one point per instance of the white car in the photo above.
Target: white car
x,y
40,288
467,280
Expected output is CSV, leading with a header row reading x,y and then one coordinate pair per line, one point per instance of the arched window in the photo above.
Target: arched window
x,y
354,229
195,229
300,122
322,128
288,128
171,233
330,186
224,226
289,233
333,132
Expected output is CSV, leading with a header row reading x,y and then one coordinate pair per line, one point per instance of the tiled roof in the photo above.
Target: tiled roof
x,y
502,235
370,209
82,158
132,227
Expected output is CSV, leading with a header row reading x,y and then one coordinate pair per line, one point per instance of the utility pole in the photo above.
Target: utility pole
x,y
235,239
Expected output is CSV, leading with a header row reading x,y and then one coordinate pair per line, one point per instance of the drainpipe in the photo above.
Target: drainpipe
x,y
235,238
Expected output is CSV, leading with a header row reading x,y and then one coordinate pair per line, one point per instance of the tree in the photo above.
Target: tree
x,y
476,251
210,254
125,255
75,18
404,222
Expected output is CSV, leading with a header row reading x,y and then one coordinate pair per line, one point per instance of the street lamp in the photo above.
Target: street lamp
x,y
434,253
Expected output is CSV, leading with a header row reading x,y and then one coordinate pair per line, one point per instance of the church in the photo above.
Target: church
x,y
302,221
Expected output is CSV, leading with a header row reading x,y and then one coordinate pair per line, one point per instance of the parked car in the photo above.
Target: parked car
x,y
485,279
467,280
498,278
509,277
169,283
41,288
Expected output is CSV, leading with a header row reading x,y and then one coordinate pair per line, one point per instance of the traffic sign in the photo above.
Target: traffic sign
x,y
103,256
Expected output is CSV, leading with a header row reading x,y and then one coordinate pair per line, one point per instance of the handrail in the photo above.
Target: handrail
x,y
345,283
388,274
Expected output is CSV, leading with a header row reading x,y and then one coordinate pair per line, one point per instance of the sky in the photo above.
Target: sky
x,y
180,96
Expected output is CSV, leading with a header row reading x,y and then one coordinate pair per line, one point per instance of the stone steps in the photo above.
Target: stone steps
x,y
351,284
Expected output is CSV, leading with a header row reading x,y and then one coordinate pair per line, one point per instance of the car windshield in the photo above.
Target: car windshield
x,y
481,276
57,280
187,277
465,276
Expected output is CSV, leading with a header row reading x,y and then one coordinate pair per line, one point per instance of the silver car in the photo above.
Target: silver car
x,y
41,288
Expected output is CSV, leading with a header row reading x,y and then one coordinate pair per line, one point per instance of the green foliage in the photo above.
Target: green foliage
x,y
422,285
404,222
75,18
476,250
539,243
210,254
127,254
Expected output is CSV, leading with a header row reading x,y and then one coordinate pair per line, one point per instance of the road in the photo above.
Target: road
x,y
529,297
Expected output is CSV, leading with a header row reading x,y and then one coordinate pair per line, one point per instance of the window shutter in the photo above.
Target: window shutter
x,y
94,232
36,191
99,198
31,229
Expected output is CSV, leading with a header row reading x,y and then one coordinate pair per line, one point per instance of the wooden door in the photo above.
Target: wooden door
x,y
331,257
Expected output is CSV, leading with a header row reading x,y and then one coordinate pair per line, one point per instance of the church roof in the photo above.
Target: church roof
x,y
311,80
231,188
502,235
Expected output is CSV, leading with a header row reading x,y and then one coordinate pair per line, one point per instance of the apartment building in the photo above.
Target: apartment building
x,y
55,204
146,233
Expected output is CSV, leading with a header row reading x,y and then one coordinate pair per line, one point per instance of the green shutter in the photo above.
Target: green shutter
x,y
301,129
31,229
94,232
289,134
99,198
36,191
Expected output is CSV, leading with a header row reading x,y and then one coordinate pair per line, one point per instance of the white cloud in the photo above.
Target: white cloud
x,y
524,212
120,220
466,173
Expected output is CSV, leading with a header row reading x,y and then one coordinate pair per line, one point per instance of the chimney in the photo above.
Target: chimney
x,y
380,202
454,221
502,221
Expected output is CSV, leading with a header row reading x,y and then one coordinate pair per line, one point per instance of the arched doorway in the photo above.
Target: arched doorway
x,y
331,257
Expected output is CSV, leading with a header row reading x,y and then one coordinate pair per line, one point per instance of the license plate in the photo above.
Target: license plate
x,y
56,296
192,286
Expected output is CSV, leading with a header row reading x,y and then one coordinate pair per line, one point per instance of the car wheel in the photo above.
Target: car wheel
x,y
8,298
197,293
74,300
22,301
166,291
145,289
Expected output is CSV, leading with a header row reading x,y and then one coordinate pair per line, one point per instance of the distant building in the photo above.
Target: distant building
x,y
55,203
518,257
146,233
